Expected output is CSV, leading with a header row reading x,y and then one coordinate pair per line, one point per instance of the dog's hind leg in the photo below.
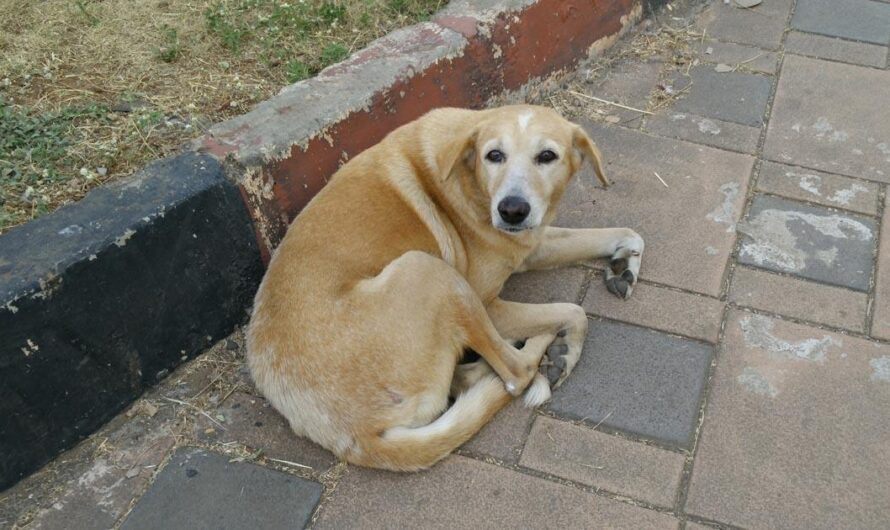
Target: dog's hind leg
x,y
418,283
566,322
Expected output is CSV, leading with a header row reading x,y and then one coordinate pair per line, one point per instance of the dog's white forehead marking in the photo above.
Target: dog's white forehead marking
x,y
524,119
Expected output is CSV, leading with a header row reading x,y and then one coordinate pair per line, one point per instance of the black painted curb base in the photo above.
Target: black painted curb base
x,y
102,298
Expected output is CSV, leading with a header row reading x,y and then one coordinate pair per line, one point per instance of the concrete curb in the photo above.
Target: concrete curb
x,y
102,298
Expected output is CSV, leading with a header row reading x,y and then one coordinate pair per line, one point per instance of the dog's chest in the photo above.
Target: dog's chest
x,y
487,276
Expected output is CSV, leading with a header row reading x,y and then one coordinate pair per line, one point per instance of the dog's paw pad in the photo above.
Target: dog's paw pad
x,y
620,286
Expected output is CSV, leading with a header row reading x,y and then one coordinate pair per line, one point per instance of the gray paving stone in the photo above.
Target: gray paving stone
x,y
835,49
745,58
637,380
544,287
861,20
604,461
795,431
701,130
198,489
808,241
761,26
730,96
688,250
252,421
815,186
691,315
505,435
464,493
793,297
827,116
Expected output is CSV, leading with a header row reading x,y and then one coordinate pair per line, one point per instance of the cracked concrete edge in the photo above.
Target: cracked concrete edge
x,y
102,298
285,149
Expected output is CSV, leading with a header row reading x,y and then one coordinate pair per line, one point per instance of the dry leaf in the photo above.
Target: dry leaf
x,y
723,68
613,119
747,4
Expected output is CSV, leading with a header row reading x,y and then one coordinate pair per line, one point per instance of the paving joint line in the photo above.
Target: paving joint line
x,y
689,465
591,316
816,204
790,276
876,262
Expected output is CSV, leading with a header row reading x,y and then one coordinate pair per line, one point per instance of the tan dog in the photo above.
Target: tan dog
x,y
394,269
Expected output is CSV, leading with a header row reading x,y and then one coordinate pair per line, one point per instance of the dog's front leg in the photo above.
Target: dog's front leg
x,y
563,246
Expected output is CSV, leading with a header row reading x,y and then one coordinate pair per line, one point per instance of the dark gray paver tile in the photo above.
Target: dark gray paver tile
x,y
761,26
730,96
199,489
690,315
737,55
862,20
827,116
835,49
798,298
816,186
252,421
795,432
637,380
604,461
701,130
812,242
707,185
544,287
464,493
505,435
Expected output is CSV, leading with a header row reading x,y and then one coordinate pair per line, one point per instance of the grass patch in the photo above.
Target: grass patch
x,y
90,90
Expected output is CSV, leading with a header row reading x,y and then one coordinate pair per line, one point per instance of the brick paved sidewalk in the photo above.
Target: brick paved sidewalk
x,y
745,384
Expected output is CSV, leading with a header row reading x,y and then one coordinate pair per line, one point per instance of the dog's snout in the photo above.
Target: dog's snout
x,y
513,209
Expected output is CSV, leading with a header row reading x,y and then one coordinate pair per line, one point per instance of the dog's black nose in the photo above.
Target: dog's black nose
x,y
514,209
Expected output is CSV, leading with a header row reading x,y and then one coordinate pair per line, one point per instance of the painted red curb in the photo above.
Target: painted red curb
x,y
284,151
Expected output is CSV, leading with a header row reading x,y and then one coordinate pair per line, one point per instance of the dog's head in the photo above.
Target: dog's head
x,y
522,157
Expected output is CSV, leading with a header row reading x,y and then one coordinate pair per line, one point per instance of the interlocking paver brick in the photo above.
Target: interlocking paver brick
x,y
688,226
738,55
815,186
861,20
881,320
660,308
809,241
827,116
630,83
464,493
637,380
708,131
835,49
505,435
597,459
795,432
761,26
199,489
544,287
252,421
798,298
736,97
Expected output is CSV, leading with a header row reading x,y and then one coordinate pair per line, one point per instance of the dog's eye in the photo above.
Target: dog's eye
x,y
495,156
545,157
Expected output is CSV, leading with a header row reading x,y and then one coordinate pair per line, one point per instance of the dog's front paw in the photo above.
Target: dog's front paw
x,y
624,267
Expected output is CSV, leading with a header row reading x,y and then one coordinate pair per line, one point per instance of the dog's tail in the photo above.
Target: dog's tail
x,y
410,449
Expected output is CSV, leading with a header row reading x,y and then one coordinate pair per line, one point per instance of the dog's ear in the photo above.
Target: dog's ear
x,y
584,148
461,149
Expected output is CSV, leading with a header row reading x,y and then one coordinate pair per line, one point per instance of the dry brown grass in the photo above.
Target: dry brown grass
x,y
115,83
